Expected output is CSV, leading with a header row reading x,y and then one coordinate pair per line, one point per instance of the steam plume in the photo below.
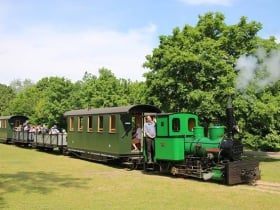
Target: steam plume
x,y
260,69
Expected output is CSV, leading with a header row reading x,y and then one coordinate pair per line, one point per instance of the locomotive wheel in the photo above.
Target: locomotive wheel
x,y
132,166
164,167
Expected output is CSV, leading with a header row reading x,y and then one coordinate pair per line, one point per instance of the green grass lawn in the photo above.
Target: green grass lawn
x,y
30,179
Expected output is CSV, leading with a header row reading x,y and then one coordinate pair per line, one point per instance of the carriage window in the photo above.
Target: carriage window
x,y
3,124
100,123
112,123
71,123
191,124
80,123
90,124
176,125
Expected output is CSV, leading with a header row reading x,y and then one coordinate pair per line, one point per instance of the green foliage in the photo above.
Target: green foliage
x,y
108,91
191,61
193,70
44,102
7,94
54,101
24,102
47,100
260,116
271,142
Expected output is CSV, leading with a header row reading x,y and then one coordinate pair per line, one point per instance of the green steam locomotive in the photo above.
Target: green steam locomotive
x,y
181,148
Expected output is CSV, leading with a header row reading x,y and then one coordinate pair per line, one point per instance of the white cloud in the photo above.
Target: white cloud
x,y
209,2
43,52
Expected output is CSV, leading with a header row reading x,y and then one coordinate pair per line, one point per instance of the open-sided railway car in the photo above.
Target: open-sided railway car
x,y
7,126
51,141
41,140
106,133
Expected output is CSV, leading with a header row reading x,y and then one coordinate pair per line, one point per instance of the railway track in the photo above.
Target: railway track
x,y
262,186
268,186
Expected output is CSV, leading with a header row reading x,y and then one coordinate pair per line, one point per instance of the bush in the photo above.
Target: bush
x,y
271,143
250,141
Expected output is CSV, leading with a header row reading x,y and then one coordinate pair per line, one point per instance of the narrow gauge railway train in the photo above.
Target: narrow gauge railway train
x,y
180,145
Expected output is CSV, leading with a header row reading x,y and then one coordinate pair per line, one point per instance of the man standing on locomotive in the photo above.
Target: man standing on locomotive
x,y
150,133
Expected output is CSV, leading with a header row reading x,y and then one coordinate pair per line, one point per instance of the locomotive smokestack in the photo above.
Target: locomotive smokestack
x,y
231,148
230,118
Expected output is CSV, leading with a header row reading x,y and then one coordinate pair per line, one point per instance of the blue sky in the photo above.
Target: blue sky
x,y
65,38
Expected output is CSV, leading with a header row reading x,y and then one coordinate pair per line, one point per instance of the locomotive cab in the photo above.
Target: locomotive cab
x,y
173,130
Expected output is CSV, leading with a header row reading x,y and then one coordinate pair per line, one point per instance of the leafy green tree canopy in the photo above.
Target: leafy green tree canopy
x,y
108,91
7,94
45,102
194,69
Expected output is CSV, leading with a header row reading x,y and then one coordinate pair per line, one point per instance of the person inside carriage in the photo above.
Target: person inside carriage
x,y
137,138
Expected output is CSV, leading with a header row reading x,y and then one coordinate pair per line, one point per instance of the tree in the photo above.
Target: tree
x,y
193,69
258,102
196,63
7,94
54,101
24,102
45,102
137,92
108,91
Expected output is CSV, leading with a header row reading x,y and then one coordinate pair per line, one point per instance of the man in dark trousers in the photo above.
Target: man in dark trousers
x,y
150,132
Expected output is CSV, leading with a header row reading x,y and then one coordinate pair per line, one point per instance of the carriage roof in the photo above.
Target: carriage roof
x,y
12,116
115,110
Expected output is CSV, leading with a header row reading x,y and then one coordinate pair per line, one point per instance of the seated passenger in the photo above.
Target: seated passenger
x,y
44,129
137,137
32,130
54,130
19,128
26,126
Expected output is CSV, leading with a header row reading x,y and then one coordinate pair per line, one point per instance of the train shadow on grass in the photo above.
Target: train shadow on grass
x,y
36,182
52,151
183,177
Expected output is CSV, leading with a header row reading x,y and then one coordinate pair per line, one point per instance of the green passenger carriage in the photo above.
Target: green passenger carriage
x,y
105,133
8,125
